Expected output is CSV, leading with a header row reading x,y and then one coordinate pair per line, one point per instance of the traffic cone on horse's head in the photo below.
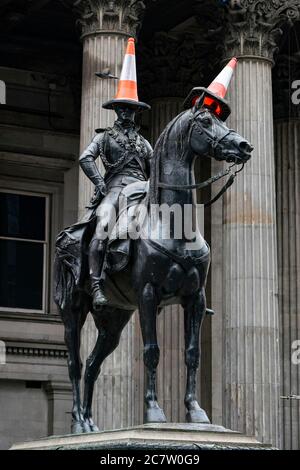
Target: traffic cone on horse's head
x,y
214,95
220,84
127,93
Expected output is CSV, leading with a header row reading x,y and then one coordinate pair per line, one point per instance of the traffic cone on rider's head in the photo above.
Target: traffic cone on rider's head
x,y
127,93
214,95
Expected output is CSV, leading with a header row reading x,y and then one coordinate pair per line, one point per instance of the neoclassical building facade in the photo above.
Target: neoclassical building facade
x,y
50,106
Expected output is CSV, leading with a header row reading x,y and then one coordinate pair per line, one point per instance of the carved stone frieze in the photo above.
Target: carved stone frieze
x,y
254,26
109,15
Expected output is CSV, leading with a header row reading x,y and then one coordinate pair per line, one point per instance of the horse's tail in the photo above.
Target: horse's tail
x,y
64,281
67,268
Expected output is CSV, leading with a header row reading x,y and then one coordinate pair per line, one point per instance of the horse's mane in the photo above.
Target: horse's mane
x,y
161,147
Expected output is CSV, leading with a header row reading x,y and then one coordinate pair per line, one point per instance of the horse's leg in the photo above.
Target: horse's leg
x,y
73,319
148,304
110,323
194,313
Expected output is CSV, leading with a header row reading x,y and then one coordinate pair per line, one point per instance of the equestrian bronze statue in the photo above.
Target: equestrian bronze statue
x,y
112,278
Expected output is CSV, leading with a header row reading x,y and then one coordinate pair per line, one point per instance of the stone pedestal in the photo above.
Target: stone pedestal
x,y
154,437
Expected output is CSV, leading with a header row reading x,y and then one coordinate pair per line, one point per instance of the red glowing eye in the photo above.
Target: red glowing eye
x,y
218,111
209,101
213,105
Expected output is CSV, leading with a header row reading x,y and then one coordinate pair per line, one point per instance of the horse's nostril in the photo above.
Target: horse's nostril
x,y
244,146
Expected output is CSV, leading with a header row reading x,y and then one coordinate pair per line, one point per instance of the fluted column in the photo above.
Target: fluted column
x,y
106,25
171,370
250,264
250,280
287,147
163,110
99,52
287,144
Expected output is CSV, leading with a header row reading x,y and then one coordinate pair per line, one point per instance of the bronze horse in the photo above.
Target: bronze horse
x,y
160,272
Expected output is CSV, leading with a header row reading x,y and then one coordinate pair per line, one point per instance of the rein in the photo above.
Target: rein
x,y
206,183
214,143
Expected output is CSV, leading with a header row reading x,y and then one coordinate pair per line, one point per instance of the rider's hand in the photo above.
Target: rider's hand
x,y
99,192
101,188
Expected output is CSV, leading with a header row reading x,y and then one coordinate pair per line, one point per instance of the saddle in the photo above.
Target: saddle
x,y
135,197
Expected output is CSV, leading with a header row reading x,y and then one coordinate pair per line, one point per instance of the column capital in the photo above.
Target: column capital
x,y
253,26
100,16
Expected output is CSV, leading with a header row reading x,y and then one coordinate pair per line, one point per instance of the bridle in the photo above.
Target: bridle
x,y
214,143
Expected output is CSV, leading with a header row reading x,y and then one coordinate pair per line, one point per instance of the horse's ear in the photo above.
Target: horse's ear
x,y
199,101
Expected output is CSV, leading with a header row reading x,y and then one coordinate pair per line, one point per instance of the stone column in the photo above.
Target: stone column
x,y
250,281
175,66
106,26
171,370
250,265
287,147
163,110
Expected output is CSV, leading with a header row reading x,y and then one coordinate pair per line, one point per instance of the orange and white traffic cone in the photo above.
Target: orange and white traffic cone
x,y
214,95
220,84
127,93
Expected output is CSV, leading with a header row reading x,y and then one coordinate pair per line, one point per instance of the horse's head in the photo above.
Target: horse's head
x,y
210,136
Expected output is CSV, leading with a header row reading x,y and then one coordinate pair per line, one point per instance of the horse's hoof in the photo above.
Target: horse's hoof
x,y
197,416
86,427
94,428
155,415
77,427
90,426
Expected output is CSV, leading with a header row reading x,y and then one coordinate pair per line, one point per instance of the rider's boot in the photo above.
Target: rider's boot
x,y
96,260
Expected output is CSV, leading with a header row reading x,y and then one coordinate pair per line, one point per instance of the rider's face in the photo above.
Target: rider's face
x,y
125,114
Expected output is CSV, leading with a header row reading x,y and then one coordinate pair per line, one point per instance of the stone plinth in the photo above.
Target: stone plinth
x,y
170,436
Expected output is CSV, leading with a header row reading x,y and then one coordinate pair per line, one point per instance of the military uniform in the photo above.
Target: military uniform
x,y
126,158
